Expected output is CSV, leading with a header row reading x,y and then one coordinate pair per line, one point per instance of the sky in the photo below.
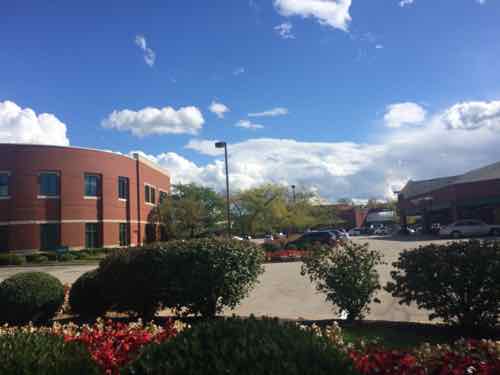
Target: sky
x,y
347,98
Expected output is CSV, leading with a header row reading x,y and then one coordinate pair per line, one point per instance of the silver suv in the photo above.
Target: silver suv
x,y
465,228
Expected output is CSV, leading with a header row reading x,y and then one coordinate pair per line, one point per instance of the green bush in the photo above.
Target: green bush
x,y
271,247
43,354
30,296
206,275
134,280
197,276
37,258
11,260
458,282
51,256
66,257
85,296
241,347
347,274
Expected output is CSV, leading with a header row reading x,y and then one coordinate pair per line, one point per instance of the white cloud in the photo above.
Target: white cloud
x,y
284,30
379,46
148,121
23,125
407,113
204,146
348,169
278,111
149,54
218,109
404,3
481,2
239,71
473,115
334,13
248,125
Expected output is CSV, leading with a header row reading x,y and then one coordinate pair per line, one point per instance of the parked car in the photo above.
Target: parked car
x,y
356,232
464,228
268,238
324,237
341,234
381,231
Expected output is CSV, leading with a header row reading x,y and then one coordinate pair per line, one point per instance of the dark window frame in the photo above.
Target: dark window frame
x,y
124,234
149,194
48,240
4,238
5,174
90,187
123,187
47,187
92,238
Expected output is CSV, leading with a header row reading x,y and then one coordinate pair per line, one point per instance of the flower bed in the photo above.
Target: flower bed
x,y
285,255
114,345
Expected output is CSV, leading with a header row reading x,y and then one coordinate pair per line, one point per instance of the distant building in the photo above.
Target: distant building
x,y
54,196
473,195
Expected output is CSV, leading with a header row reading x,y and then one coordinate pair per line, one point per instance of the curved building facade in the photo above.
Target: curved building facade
x,y
53,196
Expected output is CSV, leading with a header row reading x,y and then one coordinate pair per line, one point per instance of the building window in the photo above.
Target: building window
x,y
163,196
92,236
4,184
92,185
48,184
123,187
150,194
4,238
124,234
49,236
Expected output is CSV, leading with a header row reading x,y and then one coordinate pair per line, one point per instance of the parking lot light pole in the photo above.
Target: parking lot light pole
x,y
224,146
293,193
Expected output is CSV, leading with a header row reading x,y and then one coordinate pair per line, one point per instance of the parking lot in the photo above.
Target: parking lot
x,y
285,293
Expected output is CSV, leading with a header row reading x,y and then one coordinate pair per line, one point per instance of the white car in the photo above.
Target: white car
x,y
464,228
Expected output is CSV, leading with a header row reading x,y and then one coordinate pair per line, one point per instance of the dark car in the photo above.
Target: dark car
x,y
311,238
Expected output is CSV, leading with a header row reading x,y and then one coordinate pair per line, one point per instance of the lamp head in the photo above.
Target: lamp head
x,y
220,144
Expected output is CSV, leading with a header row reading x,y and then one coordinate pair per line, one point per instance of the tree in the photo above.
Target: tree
x,y
190,211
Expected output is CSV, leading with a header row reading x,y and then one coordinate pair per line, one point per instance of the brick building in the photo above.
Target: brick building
x,y
473,195
53,196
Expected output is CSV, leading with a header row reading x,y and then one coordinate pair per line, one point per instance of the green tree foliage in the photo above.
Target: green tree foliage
x,y
271,208
347,275
190,211
457,282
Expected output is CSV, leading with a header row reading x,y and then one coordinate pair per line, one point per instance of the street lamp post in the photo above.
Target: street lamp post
x,y
224,146
293,193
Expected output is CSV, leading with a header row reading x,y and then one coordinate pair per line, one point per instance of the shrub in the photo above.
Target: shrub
x,y
30,296
66,257
11,260
236,346
206,275
25,353
36,258
85,296
347,274
51,256
457,281
134,280
201,276
271,247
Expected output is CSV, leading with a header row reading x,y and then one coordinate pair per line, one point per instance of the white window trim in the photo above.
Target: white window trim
x,y
123,199
150,204
41,196
5,198
96,198
85,174
48,197
156,189
128,185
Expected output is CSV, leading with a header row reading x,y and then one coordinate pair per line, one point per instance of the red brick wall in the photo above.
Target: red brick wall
x,y
26,161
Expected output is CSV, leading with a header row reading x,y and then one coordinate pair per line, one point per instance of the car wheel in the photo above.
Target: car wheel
x,y
456,234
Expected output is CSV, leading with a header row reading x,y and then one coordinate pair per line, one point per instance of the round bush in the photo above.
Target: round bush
x,y
30,296
207,275
347,274
11,260
43,354
36,258
241,347
66,257
50,256
85,296
458,282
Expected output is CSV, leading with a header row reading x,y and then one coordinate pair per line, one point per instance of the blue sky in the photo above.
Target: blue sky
x,y
369,93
